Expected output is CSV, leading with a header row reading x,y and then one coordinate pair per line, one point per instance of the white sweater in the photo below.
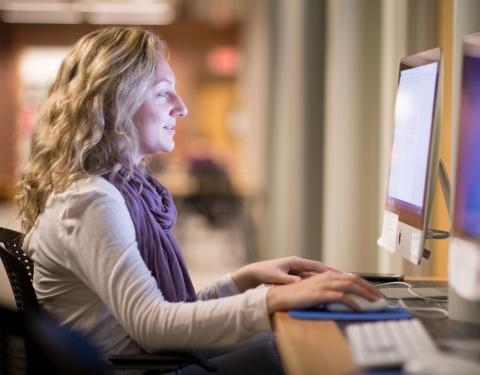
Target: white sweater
x,y
90,275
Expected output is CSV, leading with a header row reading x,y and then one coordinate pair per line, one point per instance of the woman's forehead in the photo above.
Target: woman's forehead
x,y
164,72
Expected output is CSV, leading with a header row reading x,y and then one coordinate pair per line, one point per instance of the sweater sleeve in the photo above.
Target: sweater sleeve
x,y
100,240
222,288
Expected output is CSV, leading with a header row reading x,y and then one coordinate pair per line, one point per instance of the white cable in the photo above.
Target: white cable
x,y
410,290
430,309
417,309
393,282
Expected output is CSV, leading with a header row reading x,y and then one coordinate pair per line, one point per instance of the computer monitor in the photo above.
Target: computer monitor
x,y
464,249
414,156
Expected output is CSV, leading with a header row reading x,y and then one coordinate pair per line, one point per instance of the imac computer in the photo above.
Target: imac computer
x,y
414,158
464,249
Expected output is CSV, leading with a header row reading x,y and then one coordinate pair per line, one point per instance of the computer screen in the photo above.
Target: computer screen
x,y
464,249
466,220
413,162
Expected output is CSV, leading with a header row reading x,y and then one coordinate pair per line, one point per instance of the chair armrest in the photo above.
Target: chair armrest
x,y
165,361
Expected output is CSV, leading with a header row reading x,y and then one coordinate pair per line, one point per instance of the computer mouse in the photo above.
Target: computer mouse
x,y
441,364
365,305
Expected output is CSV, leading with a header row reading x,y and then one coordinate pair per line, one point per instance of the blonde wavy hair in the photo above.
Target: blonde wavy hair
x,y
86,124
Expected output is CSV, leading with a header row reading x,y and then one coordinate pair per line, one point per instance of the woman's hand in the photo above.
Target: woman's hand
x,y
318,289
278,271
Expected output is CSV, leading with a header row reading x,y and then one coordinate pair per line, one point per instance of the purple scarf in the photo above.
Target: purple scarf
x,y
154,214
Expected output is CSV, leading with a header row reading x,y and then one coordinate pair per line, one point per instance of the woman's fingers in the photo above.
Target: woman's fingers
x,y
368,286
349,283
355,289
297,264
327,286
306,275
351,303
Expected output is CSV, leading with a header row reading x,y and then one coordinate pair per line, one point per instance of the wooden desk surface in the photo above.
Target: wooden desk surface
x,y
317,346
312,346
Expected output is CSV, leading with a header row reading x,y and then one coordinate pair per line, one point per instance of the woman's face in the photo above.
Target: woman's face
x,y
156,117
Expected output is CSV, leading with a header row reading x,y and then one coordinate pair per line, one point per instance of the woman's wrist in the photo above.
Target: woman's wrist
x,y
244,279
274,302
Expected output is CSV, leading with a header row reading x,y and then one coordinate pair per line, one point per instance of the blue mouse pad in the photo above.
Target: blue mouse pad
x,y
321,314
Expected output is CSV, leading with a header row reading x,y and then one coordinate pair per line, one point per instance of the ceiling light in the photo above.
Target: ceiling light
x,y
40,13
128,13
96,12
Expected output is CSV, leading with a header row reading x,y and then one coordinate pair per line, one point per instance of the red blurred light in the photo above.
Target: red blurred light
x,y
223,60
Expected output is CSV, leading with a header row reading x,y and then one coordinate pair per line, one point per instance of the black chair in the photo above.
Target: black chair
x,y
55,349
19,268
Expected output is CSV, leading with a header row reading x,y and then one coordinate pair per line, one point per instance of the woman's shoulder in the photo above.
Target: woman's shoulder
x,y
79,202
94,185
86,190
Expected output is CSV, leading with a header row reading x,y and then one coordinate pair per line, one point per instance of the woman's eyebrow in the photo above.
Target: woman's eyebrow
x,y
164,81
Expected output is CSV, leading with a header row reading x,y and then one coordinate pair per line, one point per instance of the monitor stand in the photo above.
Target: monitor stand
x,y
440,293
436,234
444,184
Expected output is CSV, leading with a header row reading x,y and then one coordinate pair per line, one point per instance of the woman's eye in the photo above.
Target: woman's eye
x,y
165,94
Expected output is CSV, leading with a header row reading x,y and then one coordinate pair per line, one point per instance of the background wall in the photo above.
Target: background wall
x,y
351,135
295,126
316,90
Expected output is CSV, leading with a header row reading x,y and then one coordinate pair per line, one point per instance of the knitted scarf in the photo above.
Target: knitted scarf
x,y
154,215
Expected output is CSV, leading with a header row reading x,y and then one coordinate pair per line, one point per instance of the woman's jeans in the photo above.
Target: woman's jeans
x,y
256,355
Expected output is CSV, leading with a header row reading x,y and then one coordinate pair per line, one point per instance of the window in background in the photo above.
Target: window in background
x,y
37,68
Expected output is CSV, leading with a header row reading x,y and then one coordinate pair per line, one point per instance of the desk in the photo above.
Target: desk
x,y
319,346
308,346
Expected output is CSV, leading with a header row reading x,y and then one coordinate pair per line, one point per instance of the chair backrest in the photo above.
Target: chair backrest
x,y
19,268
13,241
40,343
46,347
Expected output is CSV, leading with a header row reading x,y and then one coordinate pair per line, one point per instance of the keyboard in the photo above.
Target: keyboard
x,y
388,343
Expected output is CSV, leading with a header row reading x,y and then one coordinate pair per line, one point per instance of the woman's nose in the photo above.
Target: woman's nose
x,y
179,109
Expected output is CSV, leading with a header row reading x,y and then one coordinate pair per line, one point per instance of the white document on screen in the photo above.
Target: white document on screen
x,y
464,268
389,231
412,133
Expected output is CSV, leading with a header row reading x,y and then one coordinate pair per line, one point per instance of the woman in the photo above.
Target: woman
x,y
99,226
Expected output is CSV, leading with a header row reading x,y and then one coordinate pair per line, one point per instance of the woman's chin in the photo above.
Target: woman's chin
x,y
167,147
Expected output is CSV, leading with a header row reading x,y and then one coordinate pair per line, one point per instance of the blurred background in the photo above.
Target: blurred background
x,y
285,149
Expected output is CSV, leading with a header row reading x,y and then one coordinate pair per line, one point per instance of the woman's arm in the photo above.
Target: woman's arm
x,y
224,287
278,271
102,252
